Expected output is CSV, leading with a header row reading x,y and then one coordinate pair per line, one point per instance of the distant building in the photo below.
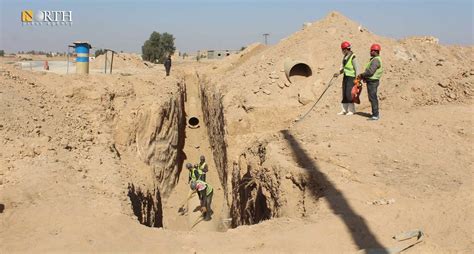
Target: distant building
x,y
202,53
219,54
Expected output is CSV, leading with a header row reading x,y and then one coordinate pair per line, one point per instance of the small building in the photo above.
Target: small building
x,y
219,54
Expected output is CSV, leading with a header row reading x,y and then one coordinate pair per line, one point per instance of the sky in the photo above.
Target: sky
x,y
124,25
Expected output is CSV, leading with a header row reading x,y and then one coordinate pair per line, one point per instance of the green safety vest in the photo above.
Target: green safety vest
x,y
192,174
349,67
201,167
378,73
208,187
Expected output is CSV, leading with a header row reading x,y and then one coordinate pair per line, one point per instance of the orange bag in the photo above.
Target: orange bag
x,y
356,90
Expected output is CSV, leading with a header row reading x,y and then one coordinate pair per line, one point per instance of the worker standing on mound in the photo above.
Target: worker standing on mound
x,y
167,64
371,75
202,167
349,68
205,193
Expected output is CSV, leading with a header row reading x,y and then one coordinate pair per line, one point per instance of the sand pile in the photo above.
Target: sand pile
x,y
121,61
418,71
231,62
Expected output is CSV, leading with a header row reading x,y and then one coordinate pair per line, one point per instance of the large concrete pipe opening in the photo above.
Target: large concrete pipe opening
x,y
193,122
295,69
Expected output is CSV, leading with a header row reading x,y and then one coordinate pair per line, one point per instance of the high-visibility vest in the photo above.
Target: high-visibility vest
x,y
201,167
192,174
349,67
208,186
378,73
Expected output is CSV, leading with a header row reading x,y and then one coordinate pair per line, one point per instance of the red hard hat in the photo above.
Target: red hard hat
x,y
375,47
345,45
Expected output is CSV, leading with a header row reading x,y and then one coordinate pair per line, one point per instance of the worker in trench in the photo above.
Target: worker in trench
x,y
202,167
205,193
349,68
195,173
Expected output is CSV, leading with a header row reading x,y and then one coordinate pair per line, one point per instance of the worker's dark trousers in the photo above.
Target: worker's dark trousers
x,y
347,84
372,86
208,201
167,68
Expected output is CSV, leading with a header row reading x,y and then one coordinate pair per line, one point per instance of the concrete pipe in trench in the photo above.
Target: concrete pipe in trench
x,y
193,122
193,116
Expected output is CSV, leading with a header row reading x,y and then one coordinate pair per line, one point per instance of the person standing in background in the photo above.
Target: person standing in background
x,y
167,64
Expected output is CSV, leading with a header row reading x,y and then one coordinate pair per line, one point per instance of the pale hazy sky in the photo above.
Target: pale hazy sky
x,y
225,24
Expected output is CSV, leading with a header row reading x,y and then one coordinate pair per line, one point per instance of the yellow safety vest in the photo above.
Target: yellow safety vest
x,y
192,174
201,167
349,67
378,73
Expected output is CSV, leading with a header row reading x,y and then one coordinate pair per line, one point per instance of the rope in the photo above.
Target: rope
x,y
315,103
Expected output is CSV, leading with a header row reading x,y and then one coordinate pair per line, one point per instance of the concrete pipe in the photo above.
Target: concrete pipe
x,y
193,122
193,113
297,68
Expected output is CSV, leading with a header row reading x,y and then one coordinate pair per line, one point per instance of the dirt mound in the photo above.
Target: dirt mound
x,y
232,61
121,61
246,54
418,71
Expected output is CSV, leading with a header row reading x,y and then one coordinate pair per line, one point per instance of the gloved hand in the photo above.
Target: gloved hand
x,y
336,74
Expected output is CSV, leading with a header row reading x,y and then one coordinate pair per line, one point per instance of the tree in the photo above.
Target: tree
x,y
99,52
158,47
2,52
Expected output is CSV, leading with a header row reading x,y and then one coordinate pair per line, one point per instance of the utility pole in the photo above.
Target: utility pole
x,y
265,36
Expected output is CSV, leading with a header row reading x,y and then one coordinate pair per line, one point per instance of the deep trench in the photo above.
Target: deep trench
x,y
164,144
251,198
252,193
146,206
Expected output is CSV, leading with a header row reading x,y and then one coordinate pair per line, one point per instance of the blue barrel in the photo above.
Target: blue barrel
x,y
82,57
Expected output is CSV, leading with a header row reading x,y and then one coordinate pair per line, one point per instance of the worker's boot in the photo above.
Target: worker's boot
x,y
350,109
207,216
344,108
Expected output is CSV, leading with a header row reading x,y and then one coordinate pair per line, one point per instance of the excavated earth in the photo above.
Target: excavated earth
x,y
95,163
